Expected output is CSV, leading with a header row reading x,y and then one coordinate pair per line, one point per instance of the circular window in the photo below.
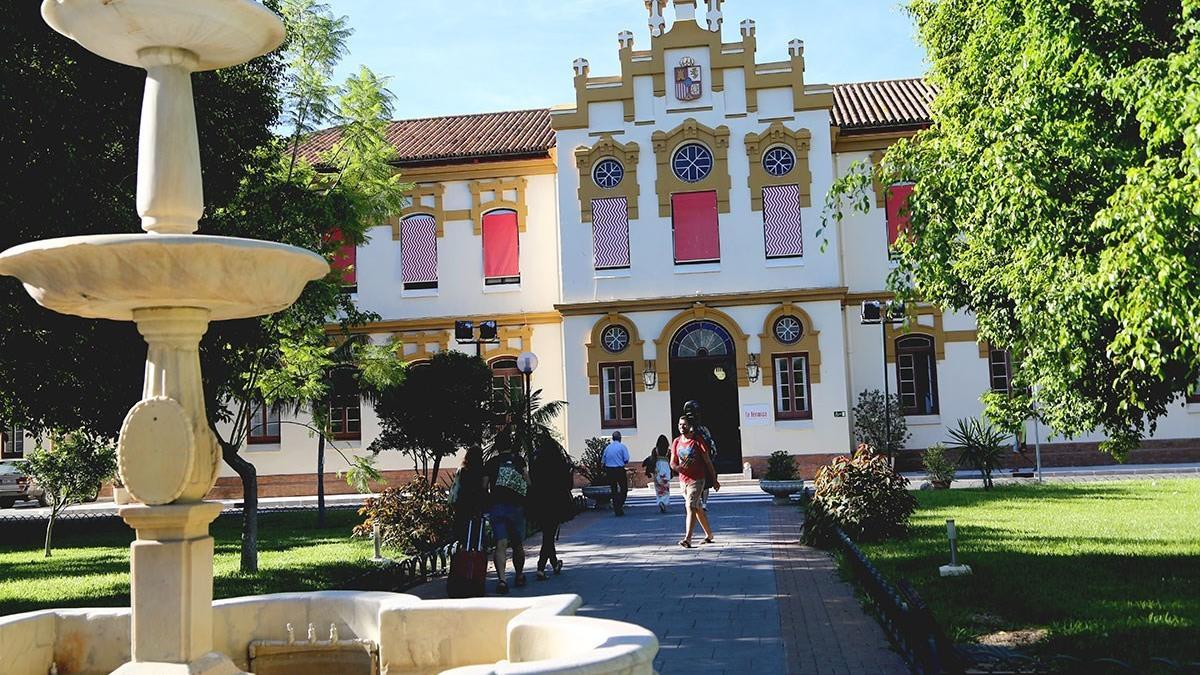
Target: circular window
x,y
608,173
788,329
615,339
779,161
692,163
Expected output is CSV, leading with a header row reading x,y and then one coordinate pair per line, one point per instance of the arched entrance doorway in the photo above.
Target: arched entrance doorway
x,y
704,369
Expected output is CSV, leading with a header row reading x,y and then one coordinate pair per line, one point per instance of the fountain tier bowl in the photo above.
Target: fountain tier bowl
x,y
220,33
108,276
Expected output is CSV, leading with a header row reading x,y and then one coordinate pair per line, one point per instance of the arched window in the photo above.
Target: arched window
x,y
506,379
916,373
701,339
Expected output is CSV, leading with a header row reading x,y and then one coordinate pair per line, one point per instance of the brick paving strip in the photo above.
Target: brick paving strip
x,y
752,602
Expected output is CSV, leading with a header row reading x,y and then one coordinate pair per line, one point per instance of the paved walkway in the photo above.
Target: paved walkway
x,y
753,602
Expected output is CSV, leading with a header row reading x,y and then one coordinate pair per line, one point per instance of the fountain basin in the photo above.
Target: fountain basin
x,y
108,276
220,33
477,636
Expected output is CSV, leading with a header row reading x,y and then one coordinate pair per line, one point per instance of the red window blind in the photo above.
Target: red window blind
x,y
697,235
501,252
345,259
897,210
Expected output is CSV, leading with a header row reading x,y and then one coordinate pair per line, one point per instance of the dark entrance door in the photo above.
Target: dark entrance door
x,y
701,353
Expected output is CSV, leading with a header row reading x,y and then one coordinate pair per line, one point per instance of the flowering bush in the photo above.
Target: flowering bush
x,y
863,495
413,518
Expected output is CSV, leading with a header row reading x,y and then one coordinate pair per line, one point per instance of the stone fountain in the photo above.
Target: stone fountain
x,y
172,282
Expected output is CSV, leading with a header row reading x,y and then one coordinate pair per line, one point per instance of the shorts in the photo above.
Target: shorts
x,y
693,491
508,522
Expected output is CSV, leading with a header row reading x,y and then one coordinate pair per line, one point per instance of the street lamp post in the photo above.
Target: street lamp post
x,y
527,362
884,312
464,334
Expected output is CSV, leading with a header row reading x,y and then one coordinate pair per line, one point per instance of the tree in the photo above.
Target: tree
x,y
312,369
439,409
884,431
513,434
71,470
1056,199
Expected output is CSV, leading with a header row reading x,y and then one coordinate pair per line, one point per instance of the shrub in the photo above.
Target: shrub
x,y
871,424
591,464
939,468
413,518
863,495
982,447
71,470
780,466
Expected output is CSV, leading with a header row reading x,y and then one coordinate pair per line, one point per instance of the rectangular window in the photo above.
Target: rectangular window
x,y
1000,370
346,260
610,231
501,248
1193,394
783,235
264,424
617,405
418,252
12,442
345,417
897,212
793,394
916,373
696,227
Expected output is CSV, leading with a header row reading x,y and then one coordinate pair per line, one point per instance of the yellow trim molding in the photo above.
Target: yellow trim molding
x,y
424,199
420,341
493,195
446,173
939,334
665,145
862,142
770,345
597,354
629,188
506,334
701,312
447,322
778,135
709,299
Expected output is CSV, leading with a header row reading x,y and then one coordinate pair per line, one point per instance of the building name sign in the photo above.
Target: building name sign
x,y
756,415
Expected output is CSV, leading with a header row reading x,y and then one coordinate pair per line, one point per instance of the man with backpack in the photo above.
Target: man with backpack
x,y
691,410
507,482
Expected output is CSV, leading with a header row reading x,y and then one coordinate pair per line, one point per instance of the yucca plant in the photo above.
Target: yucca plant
x,y
981,446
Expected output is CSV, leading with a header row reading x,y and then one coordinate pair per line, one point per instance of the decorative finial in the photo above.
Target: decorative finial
x,y
625,37
333,633
582,67
749,28
796,47
312,632
658,25
715,18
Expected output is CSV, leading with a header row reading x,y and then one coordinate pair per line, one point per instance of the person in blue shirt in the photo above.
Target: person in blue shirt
x,y
616,456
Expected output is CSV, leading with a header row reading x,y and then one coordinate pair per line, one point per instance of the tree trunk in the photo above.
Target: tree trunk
x,y
249,475
320,480
437,465
50,529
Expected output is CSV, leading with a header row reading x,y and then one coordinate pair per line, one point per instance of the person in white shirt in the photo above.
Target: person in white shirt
x,y
616,456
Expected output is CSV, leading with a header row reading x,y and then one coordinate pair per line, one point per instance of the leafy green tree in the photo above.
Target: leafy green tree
x,y
1056,198
71,470
884,430
439,409
310,371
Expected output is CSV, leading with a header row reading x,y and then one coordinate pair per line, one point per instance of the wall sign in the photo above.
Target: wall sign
x,y
756,414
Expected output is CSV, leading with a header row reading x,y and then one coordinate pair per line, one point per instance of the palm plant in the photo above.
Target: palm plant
x,y
512,434
981,446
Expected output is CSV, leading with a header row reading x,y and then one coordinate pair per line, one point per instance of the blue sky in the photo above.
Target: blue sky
x,y
464,56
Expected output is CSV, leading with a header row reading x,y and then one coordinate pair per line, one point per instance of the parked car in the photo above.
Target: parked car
x,y
16,486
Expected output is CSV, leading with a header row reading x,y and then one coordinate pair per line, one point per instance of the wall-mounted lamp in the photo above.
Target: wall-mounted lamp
x,y
752,369
649,376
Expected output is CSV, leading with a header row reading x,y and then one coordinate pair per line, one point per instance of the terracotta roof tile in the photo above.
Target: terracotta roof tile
x,y
458,137
877,106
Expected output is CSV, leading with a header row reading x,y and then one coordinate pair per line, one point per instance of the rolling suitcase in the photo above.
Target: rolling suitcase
x,y
468,567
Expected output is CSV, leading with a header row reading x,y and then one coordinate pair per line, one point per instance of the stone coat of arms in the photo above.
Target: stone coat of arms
x,y
689,82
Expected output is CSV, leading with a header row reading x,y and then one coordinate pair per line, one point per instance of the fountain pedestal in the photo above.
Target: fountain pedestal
x,y
171,591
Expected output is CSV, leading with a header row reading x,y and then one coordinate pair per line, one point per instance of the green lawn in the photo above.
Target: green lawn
x,y
90,565
1096,569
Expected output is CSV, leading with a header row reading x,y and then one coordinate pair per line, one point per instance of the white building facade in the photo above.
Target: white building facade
x,y
660,241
